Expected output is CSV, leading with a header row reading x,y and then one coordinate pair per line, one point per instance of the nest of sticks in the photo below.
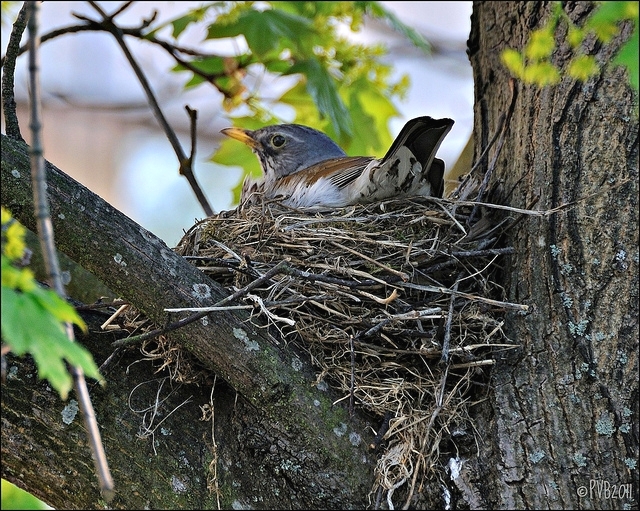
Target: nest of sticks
x,y
395,302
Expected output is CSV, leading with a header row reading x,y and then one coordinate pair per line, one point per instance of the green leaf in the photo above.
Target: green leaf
x,y
264,31
181,23
234,153
29,327
57,307
628,57
377,10
369,107
575,36
322,88
583,67
604,20
514,62
209,65
540,45
541,74
306,110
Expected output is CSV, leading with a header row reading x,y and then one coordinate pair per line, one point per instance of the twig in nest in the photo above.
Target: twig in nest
x,y
194,317
444,358
114,316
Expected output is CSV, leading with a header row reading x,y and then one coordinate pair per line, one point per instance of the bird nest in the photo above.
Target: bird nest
x,y
395,302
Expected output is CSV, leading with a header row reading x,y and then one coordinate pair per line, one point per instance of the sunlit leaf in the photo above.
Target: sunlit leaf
x,y
236,154
371,111
541,74
540,45
583,67
575,36
42,336
264,31
322,88
306,111
514,62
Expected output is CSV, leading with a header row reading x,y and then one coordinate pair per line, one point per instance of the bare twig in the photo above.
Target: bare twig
x,y
485,181
184,161
444,358
193,116
47,243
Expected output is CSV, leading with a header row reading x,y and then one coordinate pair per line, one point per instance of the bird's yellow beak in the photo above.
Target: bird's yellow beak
x,y
244,136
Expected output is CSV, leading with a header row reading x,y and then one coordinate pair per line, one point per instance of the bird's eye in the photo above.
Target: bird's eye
x,y
278,141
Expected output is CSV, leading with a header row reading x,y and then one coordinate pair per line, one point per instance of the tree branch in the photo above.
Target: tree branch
x,y
142,269
9,67
48,247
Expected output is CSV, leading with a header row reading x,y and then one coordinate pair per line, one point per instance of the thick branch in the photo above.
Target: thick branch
x,y
142,269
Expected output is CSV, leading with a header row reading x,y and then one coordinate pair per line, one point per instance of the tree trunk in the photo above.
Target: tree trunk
x,y
561,430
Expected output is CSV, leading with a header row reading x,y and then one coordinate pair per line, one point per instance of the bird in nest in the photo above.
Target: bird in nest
x,y
304,168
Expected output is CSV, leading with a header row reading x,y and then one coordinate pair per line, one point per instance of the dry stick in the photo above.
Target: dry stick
x,y
185,163
47,243
494,161
444,358
456,192
278,268
471,253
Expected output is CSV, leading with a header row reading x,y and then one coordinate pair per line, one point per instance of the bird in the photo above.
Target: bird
x,y
303,168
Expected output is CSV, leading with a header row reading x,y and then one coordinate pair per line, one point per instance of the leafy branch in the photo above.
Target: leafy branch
x,y
534,64
338,84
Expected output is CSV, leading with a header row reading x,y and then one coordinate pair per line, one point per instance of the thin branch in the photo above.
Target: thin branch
x,y
507,122
185,163
193,116
8,76
47,244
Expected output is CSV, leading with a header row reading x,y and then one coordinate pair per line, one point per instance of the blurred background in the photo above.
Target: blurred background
x,y
99,129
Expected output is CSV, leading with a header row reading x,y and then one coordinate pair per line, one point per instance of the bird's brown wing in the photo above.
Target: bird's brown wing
x,y
341,171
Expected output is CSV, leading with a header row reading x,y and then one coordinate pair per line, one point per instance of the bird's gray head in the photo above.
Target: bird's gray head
x,y
284,149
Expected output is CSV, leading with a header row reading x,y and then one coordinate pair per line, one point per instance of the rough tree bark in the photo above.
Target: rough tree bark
x,y
562,428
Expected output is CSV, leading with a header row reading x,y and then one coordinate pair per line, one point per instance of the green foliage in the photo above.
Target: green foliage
x,y
33,318
15,498
339,84
534,64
